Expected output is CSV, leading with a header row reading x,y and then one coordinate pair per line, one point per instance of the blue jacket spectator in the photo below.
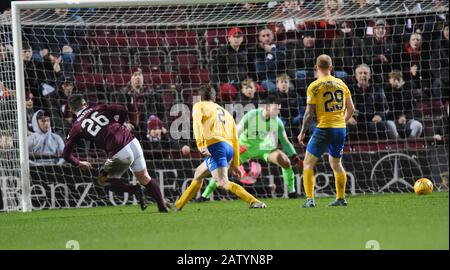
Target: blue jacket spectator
x,y
270,60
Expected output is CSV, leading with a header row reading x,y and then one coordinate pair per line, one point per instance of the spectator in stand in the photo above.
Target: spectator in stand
x,y
290,103
140,101
44,71
439,66
415,63
400,122
44,142
347,50
154,129
305,54
59,107
270,59
57,66
66,90
53,70
250,94
231,62
427,23
30,108
34,73
379,52
371,108
158,140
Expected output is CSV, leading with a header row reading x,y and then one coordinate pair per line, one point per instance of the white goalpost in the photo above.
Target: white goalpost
x,y
152,56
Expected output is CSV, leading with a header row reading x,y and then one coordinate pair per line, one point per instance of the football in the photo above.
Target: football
x,y
423,186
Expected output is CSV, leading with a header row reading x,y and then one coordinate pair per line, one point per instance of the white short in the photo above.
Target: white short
x,y
130,157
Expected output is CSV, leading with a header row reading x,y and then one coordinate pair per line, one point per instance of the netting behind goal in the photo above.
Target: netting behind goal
x,y
392,54
10,181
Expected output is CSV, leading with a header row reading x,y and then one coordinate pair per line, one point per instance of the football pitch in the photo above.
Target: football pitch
x,y
395,221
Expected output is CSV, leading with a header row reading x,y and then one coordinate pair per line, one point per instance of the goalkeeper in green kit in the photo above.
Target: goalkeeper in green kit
x,y
259,132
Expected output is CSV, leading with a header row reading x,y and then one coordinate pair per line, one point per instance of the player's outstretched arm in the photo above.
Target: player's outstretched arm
x,y
70,144
288,148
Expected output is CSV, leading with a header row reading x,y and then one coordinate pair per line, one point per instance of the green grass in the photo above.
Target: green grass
x,y
396,221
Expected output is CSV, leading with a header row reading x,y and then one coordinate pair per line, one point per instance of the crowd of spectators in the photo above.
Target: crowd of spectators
x,y
390,64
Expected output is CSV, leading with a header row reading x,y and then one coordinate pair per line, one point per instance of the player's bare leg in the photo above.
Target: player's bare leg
x,y
152,187
340,178
308,178
280,159
200,173
221,176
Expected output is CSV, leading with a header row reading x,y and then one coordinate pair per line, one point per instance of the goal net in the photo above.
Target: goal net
x,y
393,55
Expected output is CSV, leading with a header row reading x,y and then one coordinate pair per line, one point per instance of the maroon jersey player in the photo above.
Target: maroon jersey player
x,y
104,125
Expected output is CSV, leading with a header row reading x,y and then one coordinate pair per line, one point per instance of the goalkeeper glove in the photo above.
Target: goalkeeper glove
x,y
297,161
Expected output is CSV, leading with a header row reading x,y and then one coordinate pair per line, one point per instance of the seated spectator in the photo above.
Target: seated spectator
x,y
64,94
305,54
270,59
347,50
155,129
231,62
30,108
370,108
379,51
415,63
157,139
290,112
43,142
439,65
250,94
400,122
140,101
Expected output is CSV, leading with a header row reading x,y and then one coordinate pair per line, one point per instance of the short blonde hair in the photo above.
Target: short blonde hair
x,y
283,77
396,75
